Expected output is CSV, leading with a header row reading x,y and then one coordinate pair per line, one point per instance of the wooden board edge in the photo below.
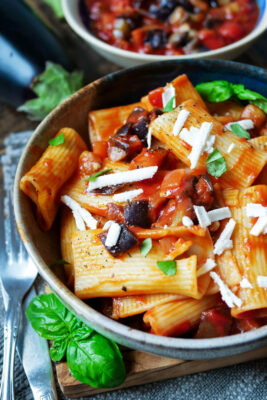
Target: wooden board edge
x,y
75,389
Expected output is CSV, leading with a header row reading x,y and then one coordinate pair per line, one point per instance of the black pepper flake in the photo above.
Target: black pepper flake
x,y
124,288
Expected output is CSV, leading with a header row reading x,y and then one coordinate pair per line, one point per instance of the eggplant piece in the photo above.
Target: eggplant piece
x,y
26,44
137,214
141,129
156,38
107,189
126,241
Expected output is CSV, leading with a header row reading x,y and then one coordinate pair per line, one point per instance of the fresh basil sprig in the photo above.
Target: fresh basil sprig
x,y
168,267
217,91
239,131
92,358
216,164
93,177
169,106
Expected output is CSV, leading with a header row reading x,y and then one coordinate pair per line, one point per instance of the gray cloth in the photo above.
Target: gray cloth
x,y
241,382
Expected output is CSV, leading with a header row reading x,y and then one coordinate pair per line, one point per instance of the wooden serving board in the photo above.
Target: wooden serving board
x,y
146,368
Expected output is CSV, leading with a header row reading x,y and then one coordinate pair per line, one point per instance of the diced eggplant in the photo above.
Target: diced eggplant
x,y
125,129
137,214
137,114
106,189
156,38
121,147
141,128
126,241
203,194
163,9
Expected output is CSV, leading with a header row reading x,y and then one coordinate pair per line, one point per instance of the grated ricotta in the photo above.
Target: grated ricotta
x,y
259,227
262,281
245,284
244,123
125,196
224,242
80,214
208,266
186,221
179,123
219,213
200,143
167,95
122,177
227,295
113,234
255,210
149,138
202,216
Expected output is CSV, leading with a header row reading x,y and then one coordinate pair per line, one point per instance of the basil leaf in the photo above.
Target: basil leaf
x,y
245,94
50,318
96,362
239,131
82,333
57,140
167,267
59,262
52,87
216,164
261,103
215,91
145,247
97,174
169,106
58,350
56,6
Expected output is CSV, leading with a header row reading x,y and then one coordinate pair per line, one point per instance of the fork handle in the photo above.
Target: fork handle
x,y
11,325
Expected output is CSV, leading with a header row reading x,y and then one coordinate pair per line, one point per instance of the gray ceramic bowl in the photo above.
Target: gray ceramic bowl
x,y
126,58
121,88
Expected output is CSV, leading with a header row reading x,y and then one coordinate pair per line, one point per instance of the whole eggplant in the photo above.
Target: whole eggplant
x,y
25,45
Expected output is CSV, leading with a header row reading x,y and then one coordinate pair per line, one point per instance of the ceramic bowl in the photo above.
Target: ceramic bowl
x,y
127,59
44,247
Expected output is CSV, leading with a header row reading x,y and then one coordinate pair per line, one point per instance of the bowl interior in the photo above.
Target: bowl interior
x,y
44,247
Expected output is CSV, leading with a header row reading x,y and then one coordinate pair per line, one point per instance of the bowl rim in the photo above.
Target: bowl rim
x,y
167,346
78,27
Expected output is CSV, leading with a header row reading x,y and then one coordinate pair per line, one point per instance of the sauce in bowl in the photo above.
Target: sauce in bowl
x,y
170,27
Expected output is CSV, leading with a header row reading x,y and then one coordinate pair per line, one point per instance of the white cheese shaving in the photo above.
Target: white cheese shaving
x,y
244,123
262,281
186,221
167,95
125,196
245,284
149,138
200,143
224,242
219,213
189,136
79,213
255,210
122,177
202,216
259,227
113,234
207,267
107,225
179,123
231,148
227,295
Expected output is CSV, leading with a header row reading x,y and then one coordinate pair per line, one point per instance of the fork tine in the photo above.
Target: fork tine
x,y
12,242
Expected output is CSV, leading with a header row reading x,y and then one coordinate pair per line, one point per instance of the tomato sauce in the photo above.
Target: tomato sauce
x,y
170,27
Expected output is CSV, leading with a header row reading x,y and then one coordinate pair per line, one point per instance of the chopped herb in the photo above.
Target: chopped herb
x,y
57,140
216,164
167,267
145,247
169,106
97,174
59,262
239,131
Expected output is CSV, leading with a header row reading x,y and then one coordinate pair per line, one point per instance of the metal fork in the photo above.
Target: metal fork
x,y
16,278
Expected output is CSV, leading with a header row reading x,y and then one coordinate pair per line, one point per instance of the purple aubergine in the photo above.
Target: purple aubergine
x,y
137,214
126,241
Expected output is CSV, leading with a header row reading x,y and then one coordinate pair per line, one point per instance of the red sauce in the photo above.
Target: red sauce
x,y
171,27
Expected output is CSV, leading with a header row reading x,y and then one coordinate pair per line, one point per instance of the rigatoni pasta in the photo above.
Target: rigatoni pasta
x,y
165,220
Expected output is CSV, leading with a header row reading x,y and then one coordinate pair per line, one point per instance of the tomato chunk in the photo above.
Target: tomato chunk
x,y
100,148
148,158
155,97
89,163
215,323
